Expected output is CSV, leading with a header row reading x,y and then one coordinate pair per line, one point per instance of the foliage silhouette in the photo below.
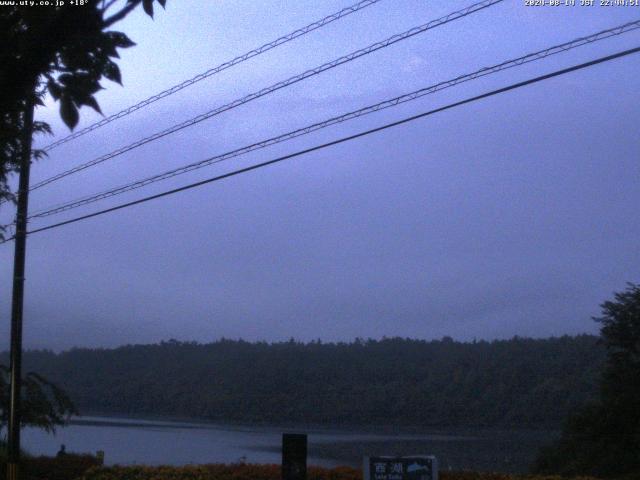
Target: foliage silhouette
x,y
517,382
63,50
44,404
603,439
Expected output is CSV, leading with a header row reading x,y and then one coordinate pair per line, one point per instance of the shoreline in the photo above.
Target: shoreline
x,y
134,420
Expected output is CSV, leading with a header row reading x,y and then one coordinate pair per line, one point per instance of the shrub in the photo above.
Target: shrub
x,y
268,472
68,467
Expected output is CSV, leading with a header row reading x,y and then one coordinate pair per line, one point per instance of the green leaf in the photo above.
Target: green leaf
x,y
54,89
65,79
38,154
109,47
93,103
42,127
68,112
120,40
148,7
112,72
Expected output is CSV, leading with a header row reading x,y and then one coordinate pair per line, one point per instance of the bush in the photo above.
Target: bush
x,y
267,472
85,467
67,467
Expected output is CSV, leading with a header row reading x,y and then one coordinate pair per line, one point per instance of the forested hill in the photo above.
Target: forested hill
x,y
518,382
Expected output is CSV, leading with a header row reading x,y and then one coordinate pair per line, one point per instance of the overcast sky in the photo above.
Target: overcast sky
x,y
515,215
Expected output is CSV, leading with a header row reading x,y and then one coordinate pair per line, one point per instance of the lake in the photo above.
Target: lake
x,y
151,442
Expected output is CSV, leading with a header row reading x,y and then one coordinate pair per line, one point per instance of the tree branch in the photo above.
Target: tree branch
x,y
116,17
107,6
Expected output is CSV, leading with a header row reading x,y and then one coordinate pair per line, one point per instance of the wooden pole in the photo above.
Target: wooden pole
x,y
18,293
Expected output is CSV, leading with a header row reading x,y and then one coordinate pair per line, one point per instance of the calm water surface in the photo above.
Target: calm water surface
x,y
127,441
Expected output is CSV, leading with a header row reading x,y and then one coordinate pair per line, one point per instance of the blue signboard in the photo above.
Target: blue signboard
x,y
419,467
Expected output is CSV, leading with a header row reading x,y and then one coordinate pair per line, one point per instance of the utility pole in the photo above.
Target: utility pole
x,y
18,291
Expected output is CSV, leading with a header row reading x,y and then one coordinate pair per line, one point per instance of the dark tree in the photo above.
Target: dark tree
x,y
604,438
531,383
64,51
44,404
621,334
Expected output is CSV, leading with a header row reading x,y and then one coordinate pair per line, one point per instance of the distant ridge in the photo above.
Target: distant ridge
x,y
521,382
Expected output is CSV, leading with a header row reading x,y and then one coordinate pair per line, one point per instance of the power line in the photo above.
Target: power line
x,y
223,66
8,239
346,139
277,86
342,118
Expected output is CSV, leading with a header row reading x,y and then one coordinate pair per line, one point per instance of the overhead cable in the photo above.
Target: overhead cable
x,y
275,87
212,71
344,139
531,57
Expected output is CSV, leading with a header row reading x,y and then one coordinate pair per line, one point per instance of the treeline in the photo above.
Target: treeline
x,y
518,382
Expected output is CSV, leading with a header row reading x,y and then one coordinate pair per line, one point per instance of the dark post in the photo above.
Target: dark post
x,y
294,456
18,295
